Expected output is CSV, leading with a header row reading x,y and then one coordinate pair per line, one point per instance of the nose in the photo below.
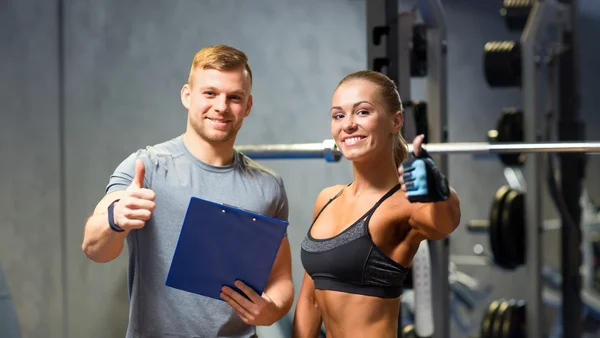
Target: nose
x,y
220,104
349,123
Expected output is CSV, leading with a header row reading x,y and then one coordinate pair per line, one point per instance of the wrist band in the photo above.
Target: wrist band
x,y
111,217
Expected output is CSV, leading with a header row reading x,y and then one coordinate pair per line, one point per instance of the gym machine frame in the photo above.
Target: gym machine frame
x,y
543,17
395,56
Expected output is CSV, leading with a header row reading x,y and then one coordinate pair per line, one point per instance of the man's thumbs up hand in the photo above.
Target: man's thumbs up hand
x,y
136,206
140,171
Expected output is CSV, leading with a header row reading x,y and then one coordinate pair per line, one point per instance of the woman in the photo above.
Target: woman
x,y
365,234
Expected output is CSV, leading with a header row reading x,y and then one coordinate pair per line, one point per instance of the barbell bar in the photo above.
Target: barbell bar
x,y
329,151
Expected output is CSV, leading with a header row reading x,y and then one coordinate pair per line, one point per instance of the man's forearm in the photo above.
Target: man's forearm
x,y
100,243
281,292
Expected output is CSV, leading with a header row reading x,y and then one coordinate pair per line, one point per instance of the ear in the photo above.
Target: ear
x,y
249,106
398,122
186,93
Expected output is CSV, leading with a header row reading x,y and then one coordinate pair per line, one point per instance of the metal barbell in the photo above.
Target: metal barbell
x,y
329,151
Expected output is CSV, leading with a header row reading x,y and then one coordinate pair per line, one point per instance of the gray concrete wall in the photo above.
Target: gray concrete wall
x,y
31,236
125,64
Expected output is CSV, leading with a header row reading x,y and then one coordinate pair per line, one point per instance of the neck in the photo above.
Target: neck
x,y
374,175
218,154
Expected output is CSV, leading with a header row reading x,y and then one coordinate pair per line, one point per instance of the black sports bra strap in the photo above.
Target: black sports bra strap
x,y
368,213
387,195
383,198
326,204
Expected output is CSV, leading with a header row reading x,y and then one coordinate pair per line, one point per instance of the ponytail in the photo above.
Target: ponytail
x,y
400,149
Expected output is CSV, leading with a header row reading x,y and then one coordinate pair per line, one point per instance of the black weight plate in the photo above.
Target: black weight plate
x,y
488,319
510,126
499,319
507,320
510,129
512,232
513,228
495,229
518,322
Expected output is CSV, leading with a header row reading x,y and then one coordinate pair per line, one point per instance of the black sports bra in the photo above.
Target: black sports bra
x,y
350,261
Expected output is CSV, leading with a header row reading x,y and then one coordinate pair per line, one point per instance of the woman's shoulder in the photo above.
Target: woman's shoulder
x,y
332,190
328,193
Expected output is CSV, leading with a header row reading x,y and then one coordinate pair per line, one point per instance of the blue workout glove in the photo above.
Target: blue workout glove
x,y
423,181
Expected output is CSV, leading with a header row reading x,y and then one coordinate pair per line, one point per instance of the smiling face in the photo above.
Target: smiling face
x,y
217,102
362,125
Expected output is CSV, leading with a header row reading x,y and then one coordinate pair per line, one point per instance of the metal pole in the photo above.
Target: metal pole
x,y
572,169
329,152
382,37
434,17
383,55
406,21
530,87
532,40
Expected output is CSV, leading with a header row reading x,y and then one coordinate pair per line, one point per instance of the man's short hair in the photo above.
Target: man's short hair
x,y
220,57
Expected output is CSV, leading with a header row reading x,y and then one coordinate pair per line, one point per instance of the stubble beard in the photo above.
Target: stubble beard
x,y
200,129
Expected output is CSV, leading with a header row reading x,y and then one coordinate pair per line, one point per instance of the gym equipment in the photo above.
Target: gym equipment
x,y
502,64
412,49
393,58
516,12
409,331
419,109
507,318
504,318
466,293
418,52
506,228
329,151
509,129
421,271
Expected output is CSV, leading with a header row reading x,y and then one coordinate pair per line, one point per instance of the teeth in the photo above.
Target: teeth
x,y
352,140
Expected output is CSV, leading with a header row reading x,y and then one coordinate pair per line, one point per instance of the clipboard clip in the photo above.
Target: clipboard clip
x,y
235,207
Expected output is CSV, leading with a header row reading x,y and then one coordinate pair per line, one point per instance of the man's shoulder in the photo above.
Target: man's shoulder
x,y
168,148
258,170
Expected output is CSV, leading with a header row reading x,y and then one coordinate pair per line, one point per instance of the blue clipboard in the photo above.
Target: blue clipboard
x,y
220,244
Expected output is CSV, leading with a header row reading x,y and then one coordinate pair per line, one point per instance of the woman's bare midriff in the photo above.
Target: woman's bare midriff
x,y
352,315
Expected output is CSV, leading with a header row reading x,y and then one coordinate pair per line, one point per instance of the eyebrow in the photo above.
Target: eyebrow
x,y
353,106
237,91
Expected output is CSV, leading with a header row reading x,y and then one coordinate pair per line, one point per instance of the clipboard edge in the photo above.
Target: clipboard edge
x,y
237,209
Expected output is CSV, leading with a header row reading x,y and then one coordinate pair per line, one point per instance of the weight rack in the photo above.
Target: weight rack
x,y
390,33
547,25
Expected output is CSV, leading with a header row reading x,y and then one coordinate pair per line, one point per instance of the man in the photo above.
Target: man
x,y
146,201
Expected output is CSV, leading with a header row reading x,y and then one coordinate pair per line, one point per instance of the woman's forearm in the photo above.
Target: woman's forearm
x,y
439,219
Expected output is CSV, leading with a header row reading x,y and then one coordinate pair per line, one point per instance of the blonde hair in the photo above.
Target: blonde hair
x,y
388,93
220,57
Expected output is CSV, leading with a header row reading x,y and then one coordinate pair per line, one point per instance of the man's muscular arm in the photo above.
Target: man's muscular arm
x,y
100,243
134,207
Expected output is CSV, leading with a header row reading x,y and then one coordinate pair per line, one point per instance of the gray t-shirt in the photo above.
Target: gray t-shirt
x,y
175,175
